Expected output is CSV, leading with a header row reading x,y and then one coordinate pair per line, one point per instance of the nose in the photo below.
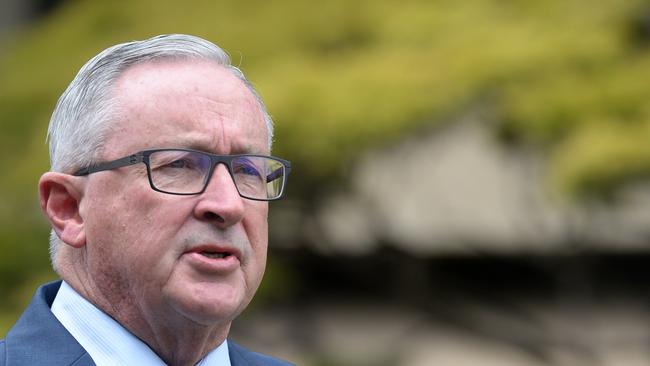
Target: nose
x,y
220,203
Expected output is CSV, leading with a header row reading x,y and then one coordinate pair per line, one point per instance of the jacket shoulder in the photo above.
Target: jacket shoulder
x,y
2,352
240,356
38,338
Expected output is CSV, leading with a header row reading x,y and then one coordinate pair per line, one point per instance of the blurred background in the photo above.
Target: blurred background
x,y
471,179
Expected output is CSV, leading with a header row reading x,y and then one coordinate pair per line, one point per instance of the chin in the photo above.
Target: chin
x,y
210,308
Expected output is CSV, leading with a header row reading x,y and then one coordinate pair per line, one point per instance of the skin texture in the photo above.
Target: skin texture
x,y
129,248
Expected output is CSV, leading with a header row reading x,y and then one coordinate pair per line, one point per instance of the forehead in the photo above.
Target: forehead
x,y
185,103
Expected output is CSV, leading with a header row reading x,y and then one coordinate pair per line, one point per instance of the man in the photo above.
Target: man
x,y
158,200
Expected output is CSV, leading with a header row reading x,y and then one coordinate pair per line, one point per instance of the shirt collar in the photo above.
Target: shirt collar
x,y
106,341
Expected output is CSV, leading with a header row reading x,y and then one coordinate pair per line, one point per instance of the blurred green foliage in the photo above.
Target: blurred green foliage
x,y
568,77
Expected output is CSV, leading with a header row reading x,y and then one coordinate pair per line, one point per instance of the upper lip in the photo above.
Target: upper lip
x,y
215,248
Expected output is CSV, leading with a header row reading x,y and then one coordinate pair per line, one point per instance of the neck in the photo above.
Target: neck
x,y
183,347
177,340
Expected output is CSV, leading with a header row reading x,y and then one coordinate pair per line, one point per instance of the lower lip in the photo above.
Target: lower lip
x,y
217,265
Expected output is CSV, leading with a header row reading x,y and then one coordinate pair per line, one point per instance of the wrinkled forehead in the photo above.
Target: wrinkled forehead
x,y
186,103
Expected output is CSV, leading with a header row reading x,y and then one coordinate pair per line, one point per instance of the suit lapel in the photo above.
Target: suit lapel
x,y
236,354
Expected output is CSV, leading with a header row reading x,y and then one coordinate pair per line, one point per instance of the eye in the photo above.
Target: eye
x,y
247,168
173,164
180,163
177,161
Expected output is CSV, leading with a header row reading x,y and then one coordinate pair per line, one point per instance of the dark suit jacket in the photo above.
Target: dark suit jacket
x,y
38,338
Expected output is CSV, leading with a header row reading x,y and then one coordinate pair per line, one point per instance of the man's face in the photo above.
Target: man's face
x,y
151,255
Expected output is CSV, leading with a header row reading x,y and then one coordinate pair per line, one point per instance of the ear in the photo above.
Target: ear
x,y
60,195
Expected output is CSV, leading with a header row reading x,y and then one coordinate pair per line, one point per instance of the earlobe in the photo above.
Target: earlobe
x,y
60,197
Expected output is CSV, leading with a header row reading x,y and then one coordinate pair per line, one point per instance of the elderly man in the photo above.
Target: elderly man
x,y
158,200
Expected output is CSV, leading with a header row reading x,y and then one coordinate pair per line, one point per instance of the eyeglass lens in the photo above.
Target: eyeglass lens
x,y
177,171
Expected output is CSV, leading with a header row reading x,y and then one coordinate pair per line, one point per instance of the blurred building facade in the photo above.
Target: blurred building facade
x,y
448,249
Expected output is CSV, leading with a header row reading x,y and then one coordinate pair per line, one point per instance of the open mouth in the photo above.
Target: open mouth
x,y
215,255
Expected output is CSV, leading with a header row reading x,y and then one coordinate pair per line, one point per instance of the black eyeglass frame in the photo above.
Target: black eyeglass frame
x,y
143,157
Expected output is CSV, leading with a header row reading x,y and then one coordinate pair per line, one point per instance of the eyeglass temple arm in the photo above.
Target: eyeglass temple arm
x,y
274,175
125,161
279,172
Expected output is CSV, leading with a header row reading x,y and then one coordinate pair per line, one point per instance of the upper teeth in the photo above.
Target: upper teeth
x,y
214,255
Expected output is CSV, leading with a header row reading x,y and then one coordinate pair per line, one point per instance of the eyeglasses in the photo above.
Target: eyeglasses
x,y
188,172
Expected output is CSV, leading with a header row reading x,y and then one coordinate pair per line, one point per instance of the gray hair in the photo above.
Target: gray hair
x,y
83,114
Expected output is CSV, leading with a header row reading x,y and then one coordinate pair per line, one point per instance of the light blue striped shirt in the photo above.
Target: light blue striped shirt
x,y
106,341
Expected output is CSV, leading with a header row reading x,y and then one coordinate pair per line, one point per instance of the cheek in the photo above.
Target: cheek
x,y
256,226
153,234
134,228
